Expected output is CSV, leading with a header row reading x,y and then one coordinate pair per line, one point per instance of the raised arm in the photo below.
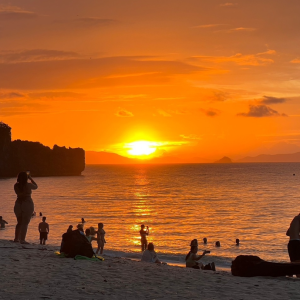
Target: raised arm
x,y
34,186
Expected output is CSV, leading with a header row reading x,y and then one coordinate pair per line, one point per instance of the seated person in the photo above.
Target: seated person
x,y
88,235
150,255
192,260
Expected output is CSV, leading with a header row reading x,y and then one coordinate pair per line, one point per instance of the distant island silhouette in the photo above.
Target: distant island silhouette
x,y
102,157
40,160
224,160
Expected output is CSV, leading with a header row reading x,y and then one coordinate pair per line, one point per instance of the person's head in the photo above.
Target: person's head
x,y
194,242
44,219
218,244
22,178
100,225
150,247
87,232
142,226
80,227
71,227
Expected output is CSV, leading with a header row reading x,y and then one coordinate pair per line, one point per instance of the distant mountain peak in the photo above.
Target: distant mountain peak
x,y
224,160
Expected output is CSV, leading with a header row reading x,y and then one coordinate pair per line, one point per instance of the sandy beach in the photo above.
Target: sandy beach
x,y
35,272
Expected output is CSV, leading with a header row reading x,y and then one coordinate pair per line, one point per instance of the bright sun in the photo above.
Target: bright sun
x,y
141,148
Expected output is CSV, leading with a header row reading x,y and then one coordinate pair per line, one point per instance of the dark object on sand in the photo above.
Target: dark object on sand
x,y
249,266
74,243
237,241
218,244
205,240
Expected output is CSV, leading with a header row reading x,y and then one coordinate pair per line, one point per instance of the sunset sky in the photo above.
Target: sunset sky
x,y
196,78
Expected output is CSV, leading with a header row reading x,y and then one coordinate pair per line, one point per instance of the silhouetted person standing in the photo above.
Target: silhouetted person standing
x,y
44,230
144,233
294,244
24,206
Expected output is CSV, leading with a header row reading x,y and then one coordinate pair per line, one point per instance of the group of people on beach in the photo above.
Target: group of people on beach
x,y
24,209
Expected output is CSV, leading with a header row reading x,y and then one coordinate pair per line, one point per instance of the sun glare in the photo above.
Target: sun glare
x,y
141,148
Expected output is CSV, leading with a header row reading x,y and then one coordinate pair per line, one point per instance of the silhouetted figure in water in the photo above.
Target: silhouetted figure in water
x,y
41,214
218,244
144,233
205,240
24,206
82,220
2,223
237,241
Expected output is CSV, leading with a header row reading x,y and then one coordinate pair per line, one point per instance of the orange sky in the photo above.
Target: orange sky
x,y
204,78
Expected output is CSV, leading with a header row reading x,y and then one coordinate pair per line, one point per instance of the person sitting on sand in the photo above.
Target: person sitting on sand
x,y
192,260
88,235
43,230
100,238
143,233
2,223
80,228
294,243
150,255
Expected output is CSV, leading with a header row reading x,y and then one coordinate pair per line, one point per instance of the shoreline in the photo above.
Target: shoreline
x,y
35,272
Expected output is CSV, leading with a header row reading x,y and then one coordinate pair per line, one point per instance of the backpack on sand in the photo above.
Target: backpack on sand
x,y
74,243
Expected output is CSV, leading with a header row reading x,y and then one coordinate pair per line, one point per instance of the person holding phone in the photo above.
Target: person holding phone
x,y
24,206
192,260
144,233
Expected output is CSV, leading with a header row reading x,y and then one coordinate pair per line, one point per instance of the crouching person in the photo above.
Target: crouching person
x,y
192,260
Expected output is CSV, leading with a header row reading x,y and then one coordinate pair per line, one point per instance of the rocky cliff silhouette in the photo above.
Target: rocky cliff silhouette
x,y
40,160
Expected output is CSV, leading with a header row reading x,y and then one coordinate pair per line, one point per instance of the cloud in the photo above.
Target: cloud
x,y
259,111
88,73
11,95
95,21
228,4
209,25
35,55
272,100
211,112
240,29
258,59
190,137
295,61
124,113
13,13
164,113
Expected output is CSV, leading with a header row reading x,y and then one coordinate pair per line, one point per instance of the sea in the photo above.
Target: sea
x,y
253,202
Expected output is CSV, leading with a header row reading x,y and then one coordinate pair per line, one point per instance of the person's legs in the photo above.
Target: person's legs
x,y
294,252
18,213
101,250
27,210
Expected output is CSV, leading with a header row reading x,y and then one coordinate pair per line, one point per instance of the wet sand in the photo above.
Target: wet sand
x,y
35,272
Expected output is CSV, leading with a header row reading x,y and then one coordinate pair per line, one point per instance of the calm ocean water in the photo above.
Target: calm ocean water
x,y
252,202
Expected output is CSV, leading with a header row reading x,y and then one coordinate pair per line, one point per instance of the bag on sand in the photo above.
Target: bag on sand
x,y
74,243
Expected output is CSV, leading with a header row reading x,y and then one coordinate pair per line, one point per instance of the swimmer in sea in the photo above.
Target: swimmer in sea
x,y
2,223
